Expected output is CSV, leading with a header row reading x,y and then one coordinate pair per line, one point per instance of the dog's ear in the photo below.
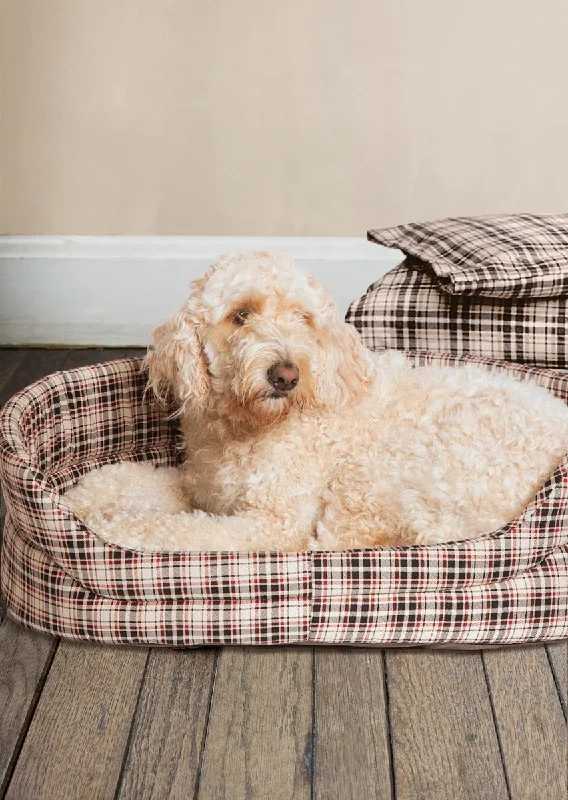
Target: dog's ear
x,y
344,370
177,369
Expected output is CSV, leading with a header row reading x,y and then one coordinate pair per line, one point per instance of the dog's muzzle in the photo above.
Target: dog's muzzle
x,y
283,377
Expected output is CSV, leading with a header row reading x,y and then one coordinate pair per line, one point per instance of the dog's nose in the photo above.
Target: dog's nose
x,y
283,376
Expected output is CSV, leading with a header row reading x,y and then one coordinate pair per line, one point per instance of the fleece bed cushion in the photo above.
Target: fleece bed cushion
x,y
60,577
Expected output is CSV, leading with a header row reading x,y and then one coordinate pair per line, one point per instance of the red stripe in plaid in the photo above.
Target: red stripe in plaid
x,y
529,607
532,606
39,594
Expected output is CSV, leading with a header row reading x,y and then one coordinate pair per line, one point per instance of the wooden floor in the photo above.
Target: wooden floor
x,y
86,721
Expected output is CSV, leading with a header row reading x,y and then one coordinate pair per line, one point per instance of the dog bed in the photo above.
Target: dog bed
x,y
493,286
60,577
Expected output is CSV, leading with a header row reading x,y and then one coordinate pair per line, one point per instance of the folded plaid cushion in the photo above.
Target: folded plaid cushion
x,y
405,310
517,256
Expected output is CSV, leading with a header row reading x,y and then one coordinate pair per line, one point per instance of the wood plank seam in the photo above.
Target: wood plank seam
x,y
495,725
311,756
132,727
389,724
29,716
206,734
557,684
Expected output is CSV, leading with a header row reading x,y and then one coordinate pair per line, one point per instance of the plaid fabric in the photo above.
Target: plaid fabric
x,y
60,577
405,311
514,256
42,596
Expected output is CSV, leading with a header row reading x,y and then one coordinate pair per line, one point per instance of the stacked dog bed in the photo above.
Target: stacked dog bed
x,y
495,287
58,576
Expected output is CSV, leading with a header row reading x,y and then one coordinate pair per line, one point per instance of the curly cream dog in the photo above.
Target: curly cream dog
x,y
297,437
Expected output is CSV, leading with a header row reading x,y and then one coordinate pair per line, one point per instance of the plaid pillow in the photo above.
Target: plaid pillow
x,y
405,310
507,256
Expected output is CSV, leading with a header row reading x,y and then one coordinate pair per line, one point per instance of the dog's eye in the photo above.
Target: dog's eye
x,y
240,317
308,319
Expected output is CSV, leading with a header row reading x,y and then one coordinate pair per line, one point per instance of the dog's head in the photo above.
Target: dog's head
x,y
256,338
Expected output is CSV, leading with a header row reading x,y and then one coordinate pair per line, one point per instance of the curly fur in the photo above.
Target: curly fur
x,y
366,451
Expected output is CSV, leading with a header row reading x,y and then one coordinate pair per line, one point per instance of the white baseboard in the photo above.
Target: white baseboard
x,y
112,290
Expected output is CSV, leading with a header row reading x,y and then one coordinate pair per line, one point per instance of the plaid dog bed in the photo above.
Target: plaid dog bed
x,y
493,286
407,310
60,577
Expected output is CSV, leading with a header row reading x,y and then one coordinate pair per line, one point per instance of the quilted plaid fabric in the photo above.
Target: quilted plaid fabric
x,y
60,577
515,256
405,310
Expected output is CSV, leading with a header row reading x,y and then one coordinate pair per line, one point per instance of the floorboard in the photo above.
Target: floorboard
x,y
10,360
443,737
168,733
530,722
88,356
36,364
75,744
25,657
352,753
259,739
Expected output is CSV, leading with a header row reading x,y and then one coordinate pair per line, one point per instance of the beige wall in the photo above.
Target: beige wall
x,y
278,117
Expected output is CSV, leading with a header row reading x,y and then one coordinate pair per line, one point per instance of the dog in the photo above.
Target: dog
x,y
299,438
